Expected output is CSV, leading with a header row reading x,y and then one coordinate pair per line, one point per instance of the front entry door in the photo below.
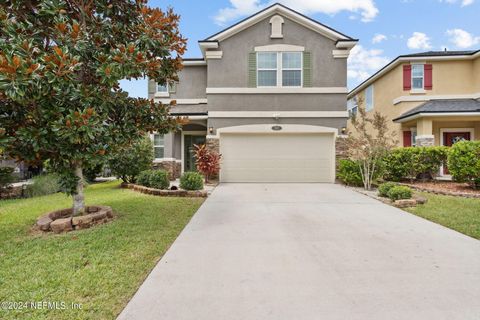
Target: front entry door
x,y
189,151
450,138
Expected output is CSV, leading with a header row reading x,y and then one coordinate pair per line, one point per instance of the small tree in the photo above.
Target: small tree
x,y
369,143
207,161
127,163
60,66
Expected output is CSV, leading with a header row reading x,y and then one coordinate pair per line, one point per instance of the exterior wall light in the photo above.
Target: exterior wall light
x,y
210,130
344,130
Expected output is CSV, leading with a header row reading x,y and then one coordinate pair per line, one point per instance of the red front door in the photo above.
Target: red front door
x,y
450,138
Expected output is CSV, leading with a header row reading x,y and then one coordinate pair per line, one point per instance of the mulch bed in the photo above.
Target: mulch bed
x,y
445,188
165,193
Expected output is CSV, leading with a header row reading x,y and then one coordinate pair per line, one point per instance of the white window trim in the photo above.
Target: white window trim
x,y
162,93
373,98
422,89
413,137
280,69
152,138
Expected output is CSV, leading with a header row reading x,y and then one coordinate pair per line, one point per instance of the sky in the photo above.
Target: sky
x,y
385,28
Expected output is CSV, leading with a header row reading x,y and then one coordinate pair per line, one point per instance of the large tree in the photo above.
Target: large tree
x,y
60,66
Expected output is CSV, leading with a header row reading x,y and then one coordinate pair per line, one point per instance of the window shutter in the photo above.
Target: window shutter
x,y
428,76
307,69
152,87
252,70
407,138
172,87
407,77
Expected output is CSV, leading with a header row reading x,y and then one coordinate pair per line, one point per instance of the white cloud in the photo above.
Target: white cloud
x,y
239,8
462,39
379,38
362,63
419,40
464,3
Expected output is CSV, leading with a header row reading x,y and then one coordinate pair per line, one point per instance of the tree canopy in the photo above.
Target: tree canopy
x,y
60,66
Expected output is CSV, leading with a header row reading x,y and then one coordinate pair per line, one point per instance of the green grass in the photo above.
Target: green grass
x,y
460,214
99,268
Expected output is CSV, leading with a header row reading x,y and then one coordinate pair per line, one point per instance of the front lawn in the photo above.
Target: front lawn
x,y
457,213
99,268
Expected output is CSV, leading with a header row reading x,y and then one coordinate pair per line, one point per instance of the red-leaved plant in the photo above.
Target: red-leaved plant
x,y
207,161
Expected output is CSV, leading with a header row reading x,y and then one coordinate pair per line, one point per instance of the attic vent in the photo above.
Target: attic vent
x,y
276,23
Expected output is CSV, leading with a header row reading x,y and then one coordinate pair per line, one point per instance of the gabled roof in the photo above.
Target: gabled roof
x,y
285,11
442,106
430,55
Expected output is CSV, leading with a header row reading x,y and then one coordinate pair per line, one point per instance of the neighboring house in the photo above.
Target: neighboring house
x,y
430,98
269,94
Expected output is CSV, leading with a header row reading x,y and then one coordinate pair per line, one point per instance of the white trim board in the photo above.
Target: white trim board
x,y
443,114
279,48
435,97
183,101
278,114
280,90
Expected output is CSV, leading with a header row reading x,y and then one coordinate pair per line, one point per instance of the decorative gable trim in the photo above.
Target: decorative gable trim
x,y
277,22
285,12
280,48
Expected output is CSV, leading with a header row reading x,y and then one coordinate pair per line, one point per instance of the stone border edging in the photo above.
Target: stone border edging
x,y
403,203
443,193
62,221
165,193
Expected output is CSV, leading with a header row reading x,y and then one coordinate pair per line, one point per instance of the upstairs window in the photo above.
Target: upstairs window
x,y
417,76
158,146
279,69
162,88
267,69
352,106
369,98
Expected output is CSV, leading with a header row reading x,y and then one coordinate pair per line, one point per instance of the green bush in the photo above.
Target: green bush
x,y
349,173
191,181
400,192
6,177
464,162
42,185
159,179
414,162
143,178
90,173
127,163
384,188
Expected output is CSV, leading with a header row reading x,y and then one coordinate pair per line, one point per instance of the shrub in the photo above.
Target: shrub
x,y
207,161
414,162
191,181
464,162
42,185
384,188
6,177
159,179
399,192
91,172
143,178
128,162
349,173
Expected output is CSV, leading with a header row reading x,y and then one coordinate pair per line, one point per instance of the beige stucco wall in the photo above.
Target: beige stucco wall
x,y
449,78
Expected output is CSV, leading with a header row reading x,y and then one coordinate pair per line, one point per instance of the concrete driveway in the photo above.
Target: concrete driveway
x,y
307,252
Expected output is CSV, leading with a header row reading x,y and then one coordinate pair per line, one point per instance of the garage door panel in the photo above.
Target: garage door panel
x,y
277,157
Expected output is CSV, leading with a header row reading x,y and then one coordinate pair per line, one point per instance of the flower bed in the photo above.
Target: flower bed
x,y
445,188
166,193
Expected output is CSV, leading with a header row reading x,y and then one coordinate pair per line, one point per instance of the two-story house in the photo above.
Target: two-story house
x,y
269,94
430,98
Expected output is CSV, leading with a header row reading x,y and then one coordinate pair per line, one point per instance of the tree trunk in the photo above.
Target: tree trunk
x,y
78,197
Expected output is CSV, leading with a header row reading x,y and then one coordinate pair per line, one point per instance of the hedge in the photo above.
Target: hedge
x,y
464,162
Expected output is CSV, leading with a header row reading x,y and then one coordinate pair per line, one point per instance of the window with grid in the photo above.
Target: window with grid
x,y
417,76
159,146
279,69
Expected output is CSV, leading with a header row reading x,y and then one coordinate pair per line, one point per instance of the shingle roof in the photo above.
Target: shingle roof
x,y
189,109
442,106
441,53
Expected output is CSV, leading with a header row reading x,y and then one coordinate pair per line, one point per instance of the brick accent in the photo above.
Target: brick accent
x,y
173,168
213,144
341,148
